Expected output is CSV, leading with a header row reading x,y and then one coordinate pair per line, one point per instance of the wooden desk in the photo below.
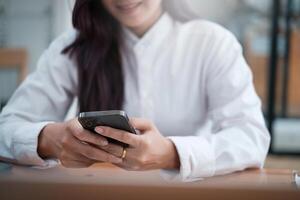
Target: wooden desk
x,y
100,182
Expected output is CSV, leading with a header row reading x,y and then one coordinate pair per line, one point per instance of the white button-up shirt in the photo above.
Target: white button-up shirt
x,y
190,79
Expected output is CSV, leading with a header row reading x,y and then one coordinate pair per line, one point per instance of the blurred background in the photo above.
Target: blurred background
x,y
269,31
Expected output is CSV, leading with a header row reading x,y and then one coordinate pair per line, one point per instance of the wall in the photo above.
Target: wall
x,y
31,24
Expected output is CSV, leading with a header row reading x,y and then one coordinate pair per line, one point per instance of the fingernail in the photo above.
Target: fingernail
x,y
99,130
104,142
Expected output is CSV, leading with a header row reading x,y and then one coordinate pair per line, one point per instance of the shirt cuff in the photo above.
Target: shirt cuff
x,y
25,146
196,160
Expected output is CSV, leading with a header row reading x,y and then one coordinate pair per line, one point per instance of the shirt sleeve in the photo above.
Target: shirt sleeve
x,y
43,98
238,138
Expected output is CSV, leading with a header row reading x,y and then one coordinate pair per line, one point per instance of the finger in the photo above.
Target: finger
x,y
123,166
75,164
114,149
95,153
141,124
120,135
71,150
86,136
70,155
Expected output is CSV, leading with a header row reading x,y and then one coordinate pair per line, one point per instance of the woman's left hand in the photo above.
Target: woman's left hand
x,y
150,150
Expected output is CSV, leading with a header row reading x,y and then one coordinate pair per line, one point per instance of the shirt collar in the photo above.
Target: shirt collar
x,y
156,33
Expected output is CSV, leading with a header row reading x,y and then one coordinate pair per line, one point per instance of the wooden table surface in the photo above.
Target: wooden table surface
x,y
106,182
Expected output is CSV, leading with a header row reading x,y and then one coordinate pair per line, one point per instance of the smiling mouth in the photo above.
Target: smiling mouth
x,y
128,7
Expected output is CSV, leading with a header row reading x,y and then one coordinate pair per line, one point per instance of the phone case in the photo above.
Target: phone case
x,y
115,119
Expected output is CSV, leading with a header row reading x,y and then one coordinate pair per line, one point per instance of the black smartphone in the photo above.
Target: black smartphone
x,y
113,118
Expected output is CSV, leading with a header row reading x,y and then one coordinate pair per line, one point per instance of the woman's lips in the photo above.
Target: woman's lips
x,y
128,7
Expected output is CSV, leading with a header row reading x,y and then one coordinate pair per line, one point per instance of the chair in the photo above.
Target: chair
x,y
14,58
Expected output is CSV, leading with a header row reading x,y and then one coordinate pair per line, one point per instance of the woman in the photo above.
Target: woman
x,y
187,83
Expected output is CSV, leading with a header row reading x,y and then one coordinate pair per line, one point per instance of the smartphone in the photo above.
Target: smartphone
x,y
113,118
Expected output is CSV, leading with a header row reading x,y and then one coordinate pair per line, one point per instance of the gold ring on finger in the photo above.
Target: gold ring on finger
x,y
124,153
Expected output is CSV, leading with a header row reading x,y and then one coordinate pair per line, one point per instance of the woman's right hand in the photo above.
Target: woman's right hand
x,y
74,146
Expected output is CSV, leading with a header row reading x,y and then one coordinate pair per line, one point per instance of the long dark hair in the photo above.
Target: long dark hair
x,y
96,51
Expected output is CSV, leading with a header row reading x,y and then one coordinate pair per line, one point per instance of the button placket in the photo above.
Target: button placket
x,y
145,77
145,87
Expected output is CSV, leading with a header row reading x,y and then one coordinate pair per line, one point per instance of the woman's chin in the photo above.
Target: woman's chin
x,y
129,10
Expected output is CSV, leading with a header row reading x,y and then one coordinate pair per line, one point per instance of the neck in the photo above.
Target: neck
x,y
141,30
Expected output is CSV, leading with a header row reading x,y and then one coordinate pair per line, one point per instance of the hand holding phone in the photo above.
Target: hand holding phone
x,y
114,118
